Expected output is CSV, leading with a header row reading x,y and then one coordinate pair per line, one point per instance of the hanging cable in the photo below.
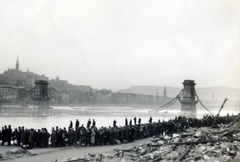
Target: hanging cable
x,y
163,105
202,103
167,104
29,92
50,94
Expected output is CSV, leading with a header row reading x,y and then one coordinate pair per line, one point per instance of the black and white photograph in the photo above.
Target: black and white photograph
x,y
119,80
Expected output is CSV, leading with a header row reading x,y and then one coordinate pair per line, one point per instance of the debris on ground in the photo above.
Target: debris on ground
x,y
203,144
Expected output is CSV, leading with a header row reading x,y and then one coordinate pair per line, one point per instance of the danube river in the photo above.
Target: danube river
x,y
102,115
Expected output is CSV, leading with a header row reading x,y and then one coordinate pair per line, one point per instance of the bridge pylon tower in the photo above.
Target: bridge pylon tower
x,y
41,93
188,97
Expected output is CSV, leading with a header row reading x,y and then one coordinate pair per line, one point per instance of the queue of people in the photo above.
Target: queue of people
x,y
92,135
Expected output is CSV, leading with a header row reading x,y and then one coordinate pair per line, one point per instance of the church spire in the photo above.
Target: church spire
x,y
165,92
17,64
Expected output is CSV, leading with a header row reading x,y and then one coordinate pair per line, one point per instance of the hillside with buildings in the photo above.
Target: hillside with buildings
x,y
69,94
211,93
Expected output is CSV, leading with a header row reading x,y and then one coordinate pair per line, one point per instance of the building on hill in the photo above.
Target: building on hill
x,y
58,84
64,85
16,76
64,90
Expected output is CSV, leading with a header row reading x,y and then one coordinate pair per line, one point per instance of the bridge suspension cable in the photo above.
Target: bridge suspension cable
x,y
28,92
33,90
50,93
168,104
176,99
202,103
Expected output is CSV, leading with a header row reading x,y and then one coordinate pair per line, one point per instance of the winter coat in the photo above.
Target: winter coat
x,y
93,137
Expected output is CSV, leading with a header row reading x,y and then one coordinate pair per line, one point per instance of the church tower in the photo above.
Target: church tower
x,y
165,92
157,97
17,65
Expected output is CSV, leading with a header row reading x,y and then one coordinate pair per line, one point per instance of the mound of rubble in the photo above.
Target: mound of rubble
x,y
203,145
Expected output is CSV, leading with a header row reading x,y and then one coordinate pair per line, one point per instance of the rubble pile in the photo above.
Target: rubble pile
x,y
202,144
15,153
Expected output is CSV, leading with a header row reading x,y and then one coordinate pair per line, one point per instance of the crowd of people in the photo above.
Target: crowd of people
x,y
92,135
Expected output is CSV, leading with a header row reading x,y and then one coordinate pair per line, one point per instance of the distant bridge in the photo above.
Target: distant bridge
x,y
11,86
40,92
186,97
9,91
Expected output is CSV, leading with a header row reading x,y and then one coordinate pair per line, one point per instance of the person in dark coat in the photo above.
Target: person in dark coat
x,y
22,131
0,136
135,120
53,138
140,133
160,128
121,135
59,137
88,137
71,136
139,121
150,120
114,123
71,124
131,134
130,123
76,135
150,129
105,136
46,136
77,124
83,135
94,123
18,137
111,137
9,134
126,134
97,137
39,138
25,136
14,135
31,138
126,122
64,137
4,135
89,123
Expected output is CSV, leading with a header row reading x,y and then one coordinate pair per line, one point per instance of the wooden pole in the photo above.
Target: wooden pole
x,y
219,112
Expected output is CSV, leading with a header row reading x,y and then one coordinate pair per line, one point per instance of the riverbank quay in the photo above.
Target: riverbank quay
x,y
100,139
191,145
69,153
205,144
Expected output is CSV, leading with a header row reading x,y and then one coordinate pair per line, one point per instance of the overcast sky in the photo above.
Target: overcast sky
x,y
115,44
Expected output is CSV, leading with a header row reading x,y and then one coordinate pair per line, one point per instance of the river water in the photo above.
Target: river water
x,y
102,115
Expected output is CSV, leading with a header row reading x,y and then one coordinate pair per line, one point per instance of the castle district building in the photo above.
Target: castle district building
x,y
19,77
27,80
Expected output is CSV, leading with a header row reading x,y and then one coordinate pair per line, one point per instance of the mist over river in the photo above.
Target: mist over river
x,y
103,116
